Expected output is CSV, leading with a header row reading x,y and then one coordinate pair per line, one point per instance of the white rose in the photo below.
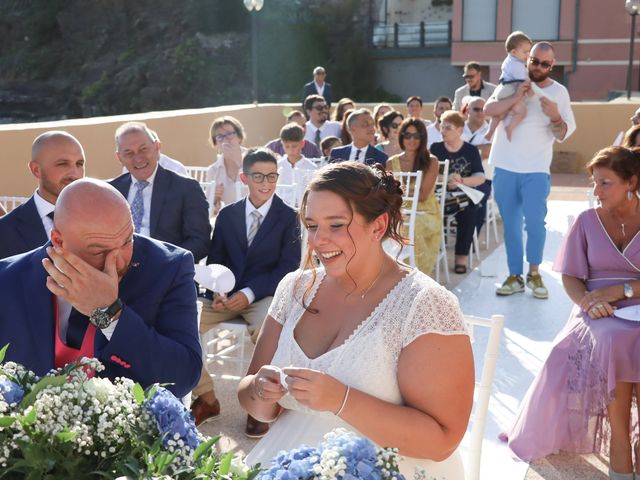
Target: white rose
x,y
99,388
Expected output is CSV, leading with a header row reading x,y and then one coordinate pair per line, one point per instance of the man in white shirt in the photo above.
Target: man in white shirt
x,y
293,168
57,159
319,126
441,105
362,130
474,85
521,178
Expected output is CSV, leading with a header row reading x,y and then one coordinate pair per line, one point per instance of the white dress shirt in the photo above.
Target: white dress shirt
x,y
433,135
327,129
319,89
44,208
354,153
297,174
263,210
145,227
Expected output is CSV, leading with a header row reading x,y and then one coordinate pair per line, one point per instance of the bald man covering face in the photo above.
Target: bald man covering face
x,y
98,290
57,159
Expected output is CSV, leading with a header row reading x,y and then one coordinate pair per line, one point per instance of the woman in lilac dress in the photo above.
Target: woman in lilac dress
x,y
581,400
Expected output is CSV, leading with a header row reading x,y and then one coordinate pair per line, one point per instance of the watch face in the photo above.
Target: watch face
x,y
100,318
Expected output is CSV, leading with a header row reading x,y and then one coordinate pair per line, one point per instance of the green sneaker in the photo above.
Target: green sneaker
x,y
535,283
513,284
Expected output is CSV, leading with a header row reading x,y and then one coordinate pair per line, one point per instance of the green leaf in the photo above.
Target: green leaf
x,y
66,435
138,393
30,417
3,351
225,463
204,447
152,391
56,381
7,421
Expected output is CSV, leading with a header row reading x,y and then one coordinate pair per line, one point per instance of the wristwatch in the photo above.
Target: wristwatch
x,y
102,317
628,290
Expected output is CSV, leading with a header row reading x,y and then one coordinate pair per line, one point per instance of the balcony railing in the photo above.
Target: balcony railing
x,y
411,35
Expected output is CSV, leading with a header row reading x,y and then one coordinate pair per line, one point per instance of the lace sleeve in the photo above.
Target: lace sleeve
x,y
434,310
281,303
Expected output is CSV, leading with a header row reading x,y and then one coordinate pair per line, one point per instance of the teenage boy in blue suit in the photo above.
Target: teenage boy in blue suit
x,y
97,290
258,238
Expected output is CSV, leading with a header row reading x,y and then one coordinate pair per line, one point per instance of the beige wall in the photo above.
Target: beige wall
x,y
184,136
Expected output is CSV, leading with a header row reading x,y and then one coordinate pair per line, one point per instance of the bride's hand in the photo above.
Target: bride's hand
x,y
266,384
315,389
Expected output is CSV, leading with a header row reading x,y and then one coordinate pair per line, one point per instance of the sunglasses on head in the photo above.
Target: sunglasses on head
x,y
537,63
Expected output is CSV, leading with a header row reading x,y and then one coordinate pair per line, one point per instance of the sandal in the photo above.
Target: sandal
x,y
460,269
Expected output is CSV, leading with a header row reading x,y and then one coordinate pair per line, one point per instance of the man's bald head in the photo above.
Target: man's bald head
x,y
53,136
57,159
90,200
92,219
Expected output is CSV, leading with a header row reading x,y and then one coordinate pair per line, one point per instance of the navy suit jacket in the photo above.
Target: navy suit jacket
x,y
274,252
21,230
156,338
371,156
179,210
310,89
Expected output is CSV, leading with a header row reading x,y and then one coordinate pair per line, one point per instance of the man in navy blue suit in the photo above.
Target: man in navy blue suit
x,y
164,205
318,87
98,290
362,129
258,239
57,159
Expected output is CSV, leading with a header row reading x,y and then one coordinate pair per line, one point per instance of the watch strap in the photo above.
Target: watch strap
x,y
113,309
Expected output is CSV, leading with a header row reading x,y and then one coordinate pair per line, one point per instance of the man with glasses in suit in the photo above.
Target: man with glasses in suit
x,y
474,85
319,126
258,239
521,178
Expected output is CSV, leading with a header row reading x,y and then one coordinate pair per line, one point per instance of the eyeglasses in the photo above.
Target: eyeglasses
x,y
537,63
409,136
221,137
477,109
320,108
447,126
469,76
259,177
394,125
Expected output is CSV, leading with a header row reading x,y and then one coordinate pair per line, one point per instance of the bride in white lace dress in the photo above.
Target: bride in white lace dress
x,y
367,344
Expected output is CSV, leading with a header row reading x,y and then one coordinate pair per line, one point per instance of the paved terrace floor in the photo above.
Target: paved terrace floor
x,y
525,344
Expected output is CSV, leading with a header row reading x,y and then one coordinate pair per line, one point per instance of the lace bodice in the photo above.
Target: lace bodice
x,y
368,359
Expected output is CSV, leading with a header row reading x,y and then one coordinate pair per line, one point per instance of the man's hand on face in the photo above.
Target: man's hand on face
x,y
80,284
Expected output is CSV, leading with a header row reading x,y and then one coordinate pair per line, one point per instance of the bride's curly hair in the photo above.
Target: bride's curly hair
x,y
367,190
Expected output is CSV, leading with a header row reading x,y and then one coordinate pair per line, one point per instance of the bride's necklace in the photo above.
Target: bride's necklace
x,y
364,294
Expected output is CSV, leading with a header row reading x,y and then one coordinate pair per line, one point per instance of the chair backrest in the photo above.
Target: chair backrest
x,y
197,173
441,184
9,203
495,325
209,189
411,183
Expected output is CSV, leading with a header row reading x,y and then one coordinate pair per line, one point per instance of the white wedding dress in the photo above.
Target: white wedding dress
x,y
367,361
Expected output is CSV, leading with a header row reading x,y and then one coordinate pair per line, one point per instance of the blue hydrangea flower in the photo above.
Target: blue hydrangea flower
x,y
172,418
10,391
296,464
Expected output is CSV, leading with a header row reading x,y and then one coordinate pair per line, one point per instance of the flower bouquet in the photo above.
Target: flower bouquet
x,y
70,424
342,455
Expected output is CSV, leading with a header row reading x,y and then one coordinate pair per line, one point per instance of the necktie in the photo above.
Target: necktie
x,y
50,215
76,329
358,155
255,225
317,140
137,206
